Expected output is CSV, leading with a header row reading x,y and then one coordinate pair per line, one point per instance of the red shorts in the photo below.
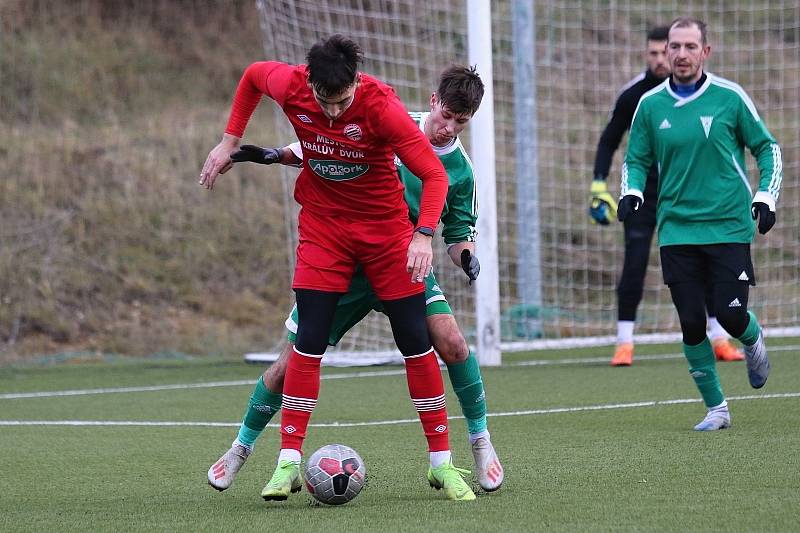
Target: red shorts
x,y
331,247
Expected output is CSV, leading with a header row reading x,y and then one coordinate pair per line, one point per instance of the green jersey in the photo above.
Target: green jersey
x,y
460,211
697,143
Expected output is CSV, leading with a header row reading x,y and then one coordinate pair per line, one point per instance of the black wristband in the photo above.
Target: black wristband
x,y
425,230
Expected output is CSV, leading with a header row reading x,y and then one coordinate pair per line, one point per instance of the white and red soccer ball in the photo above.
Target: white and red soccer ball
x,y
335,474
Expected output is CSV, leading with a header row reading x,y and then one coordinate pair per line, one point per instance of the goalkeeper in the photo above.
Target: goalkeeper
x,y
639,230
452,106
696,126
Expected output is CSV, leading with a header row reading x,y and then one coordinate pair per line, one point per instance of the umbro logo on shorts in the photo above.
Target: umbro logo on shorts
x,y
743,276
735,303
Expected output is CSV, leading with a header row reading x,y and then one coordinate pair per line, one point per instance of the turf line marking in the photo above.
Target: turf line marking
x,y
180,386
529,412
345,375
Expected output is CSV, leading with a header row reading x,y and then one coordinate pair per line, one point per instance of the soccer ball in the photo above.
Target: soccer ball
x,y
335,474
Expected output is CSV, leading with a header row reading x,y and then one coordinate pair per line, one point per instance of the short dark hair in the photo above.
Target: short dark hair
x,y
688,22
658,33
333,64
460,89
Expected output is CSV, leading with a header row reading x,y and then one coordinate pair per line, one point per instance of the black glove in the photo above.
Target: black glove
x,y
470,265
765,217
628,205
256,154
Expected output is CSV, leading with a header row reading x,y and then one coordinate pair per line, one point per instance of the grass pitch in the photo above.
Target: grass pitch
x,y
585,447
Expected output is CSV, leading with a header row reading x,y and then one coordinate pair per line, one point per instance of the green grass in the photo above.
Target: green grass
x,y
624,468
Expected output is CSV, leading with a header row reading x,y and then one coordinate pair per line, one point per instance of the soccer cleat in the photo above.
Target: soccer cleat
x,y
286,479
222,473
487,466
724,350
451,479
623,355
757,362
715,419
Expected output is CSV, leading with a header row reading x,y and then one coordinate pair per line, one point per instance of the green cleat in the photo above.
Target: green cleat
x,y
286,479
451,479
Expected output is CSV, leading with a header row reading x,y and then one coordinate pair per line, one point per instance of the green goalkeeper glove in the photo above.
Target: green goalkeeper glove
x,y
603,208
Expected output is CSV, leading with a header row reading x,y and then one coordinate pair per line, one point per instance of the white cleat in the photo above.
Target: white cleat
x,y
719,418
757,362
487,466
222,473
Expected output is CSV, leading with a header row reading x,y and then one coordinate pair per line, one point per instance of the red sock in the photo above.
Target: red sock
x,y
300,393
427,392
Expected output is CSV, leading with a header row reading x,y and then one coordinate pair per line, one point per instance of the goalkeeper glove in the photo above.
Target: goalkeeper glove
x,y
603,208
470,265
256,154
628,205
765,216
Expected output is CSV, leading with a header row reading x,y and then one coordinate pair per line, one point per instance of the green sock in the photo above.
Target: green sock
x,y
703,369
751,332
468,385
262,407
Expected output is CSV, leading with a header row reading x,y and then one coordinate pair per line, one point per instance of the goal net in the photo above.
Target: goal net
x,y
584,53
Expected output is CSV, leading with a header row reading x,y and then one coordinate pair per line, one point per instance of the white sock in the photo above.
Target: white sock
x,y
716,331
236,441
287,454
721,407
480,435
624,331
440,458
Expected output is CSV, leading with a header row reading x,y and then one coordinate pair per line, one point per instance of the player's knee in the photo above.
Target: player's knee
x,y
411,337
312,338
693,327
452,348
407,317
733,320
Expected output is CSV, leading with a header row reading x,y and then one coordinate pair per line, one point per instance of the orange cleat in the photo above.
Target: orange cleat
x,y
724,350
623,355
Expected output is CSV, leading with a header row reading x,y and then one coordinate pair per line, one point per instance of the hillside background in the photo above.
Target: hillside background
x,y
107,242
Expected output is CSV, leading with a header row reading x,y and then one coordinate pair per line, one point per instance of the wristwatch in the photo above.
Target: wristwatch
x,y
425,230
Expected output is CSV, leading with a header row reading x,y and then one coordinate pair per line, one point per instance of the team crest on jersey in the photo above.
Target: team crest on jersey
x,y
397,162
706,121
304,118
353,131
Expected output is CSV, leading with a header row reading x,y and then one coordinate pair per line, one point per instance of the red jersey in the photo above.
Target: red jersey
x,y
348,162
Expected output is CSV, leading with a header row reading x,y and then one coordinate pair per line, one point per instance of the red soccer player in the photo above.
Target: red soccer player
x,y
350,126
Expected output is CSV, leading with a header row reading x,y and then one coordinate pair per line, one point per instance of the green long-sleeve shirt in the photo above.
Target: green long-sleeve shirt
x,y
697,142
461,206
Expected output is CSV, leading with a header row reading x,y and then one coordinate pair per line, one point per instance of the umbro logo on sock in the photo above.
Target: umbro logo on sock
x,y
735,303
665,125
743,276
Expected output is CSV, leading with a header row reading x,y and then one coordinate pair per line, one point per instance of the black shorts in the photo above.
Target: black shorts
x,y
714,263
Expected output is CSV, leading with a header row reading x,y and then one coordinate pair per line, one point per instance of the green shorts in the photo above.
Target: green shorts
x,y
360,300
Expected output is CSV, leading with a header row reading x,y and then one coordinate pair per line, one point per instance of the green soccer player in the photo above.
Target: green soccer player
x,y
694,127
452,106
